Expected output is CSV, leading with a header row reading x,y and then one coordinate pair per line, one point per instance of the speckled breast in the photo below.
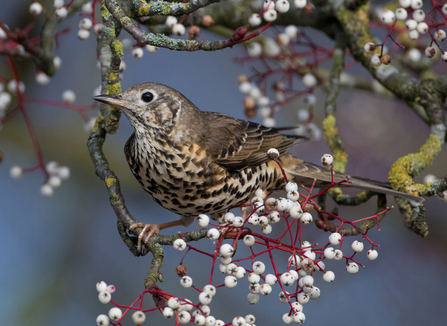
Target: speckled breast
x,y
186,182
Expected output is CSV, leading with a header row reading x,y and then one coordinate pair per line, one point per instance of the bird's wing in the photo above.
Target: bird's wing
x,y
235,144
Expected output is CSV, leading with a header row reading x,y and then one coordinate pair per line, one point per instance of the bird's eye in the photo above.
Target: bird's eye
x,y
147,97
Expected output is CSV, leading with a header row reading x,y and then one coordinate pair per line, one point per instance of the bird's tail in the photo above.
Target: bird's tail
x,y
304,173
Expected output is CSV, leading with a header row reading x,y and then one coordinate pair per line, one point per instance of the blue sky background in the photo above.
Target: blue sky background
x,y
55,249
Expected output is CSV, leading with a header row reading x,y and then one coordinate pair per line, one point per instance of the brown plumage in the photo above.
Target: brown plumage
x,y
193,162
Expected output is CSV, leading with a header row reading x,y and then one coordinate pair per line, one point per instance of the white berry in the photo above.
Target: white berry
x,y
171,21
299,318
85,23
282,6
184,317
179,244
338,254
288,320
226,250
405,3
440,35
291,31
254,50
283,39
186,282
35,9
137,53
315,294
213,234
327,159
104,297
42,78
352,268
258,267
375,60
151,48
102,320
83,34
401,14
240,272
250,319
46,190
300,4
230,281
369,47
266,289
138,317
249,240
419,15
205,298
270,15
296,212
178,29
422,28
388,17
268,4
61,13
309,80
115,313
372,254
411,24
329,253
357,246
430,52
68,96
335,238
16,172
329,276
253,298
413,34
306,218
254,20
55,181
287,279
416,4
203,220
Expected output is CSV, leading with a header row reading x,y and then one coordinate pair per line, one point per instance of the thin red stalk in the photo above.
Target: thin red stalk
x,y
29,124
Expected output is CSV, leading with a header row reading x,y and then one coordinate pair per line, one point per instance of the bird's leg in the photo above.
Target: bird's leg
x,y
151,229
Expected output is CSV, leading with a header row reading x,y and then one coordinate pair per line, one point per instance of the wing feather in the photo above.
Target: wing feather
x,y
236,144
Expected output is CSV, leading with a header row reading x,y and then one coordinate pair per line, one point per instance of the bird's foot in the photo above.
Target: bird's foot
x,y
147,229
151,229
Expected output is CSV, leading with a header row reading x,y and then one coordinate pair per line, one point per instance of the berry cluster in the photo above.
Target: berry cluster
x,y
257,101
417,22
56,175
293,279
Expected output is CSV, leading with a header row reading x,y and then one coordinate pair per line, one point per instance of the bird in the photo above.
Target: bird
x,y
195,162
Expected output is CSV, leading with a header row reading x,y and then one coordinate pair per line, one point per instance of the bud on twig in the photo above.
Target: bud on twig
x,y
240,33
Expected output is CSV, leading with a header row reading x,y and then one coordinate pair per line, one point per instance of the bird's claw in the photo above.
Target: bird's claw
x,y
149,229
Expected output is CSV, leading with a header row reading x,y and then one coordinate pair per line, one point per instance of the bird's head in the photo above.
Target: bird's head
x,y
149,106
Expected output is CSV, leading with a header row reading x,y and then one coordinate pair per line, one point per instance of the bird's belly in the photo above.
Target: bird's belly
x,y
208,191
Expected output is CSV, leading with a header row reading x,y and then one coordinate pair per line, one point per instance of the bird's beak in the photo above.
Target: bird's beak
x,y
111,100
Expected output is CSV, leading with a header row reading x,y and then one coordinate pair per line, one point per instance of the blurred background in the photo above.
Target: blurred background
x,y
55,249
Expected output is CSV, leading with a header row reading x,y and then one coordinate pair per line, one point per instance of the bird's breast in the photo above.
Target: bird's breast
x,y
184,180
